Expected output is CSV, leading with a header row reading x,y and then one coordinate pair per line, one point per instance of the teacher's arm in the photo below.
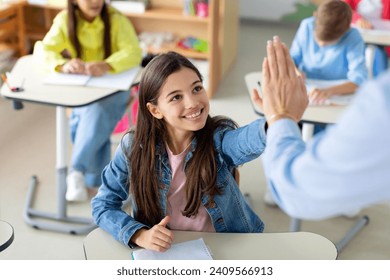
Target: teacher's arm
x,y
342,169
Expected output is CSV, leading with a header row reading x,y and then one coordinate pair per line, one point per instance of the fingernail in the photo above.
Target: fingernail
x,y
276,38
269,42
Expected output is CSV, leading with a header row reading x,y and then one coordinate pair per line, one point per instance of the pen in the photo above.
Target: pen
x,y
13,89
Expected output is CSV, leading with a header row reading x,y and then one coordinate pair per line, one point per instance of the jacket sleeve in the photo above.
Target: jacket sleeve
x,y
238,146
296,45
107,204
357,69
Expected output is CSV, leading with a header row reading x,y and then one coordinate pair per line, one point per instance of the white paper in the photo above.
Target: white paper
x,y
129,6
120,81
56,78
189,250
383,25
336,99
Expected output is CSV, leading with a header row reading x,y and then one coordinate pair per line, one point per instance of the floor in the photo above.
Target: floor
x,y
27,147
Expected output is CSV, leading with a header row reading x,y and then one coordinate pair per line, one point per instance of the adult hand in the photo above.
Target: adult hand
x,y
284,92
97,68
74,66
158,238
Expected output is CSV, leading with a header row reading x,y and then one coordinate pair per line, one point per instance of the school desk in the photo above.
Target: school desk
x,y
380,35
321,114
6,235
99,245
29,75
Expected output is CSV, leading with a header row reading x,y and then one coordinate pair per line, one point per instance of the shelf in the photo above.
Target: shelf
x,y
219,29
186,53
172,14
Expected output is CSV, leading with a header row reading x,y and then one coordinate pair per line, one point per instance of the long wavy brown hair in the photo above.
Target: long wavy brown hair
x,y
150,132
72,28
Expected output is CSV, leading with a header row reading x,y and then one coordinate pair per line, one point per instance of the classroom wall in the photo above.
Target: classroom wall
x,y
277,10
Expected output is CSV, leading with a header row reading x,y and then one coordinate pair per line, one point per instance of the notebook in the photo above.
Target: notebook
x,y
188,250
120,81
334,100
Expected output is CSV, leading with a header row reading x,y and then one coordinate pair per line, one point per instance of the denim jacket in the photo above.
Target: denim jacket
x,y
228,213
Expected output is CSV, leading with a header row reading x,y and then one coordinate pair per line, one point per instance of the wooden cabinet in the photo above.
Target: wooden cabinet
x,y
219,29
12,31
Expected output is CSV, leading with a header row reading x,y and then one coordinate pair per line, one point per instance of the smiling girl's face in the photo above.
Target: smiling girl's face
x,y
183,104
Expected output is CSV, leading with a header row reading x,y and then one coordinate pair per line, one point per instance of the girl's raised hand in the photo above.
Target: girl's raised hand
x,y
158,238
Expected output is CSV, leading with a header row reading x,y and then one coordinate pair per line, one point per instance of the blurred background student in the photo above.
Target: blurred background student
x,y
365,13
325,47
91,38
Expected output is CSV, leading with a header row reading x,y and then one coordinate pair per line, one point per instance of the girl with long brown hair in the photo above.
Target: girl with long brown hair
x,y
177,165
90,38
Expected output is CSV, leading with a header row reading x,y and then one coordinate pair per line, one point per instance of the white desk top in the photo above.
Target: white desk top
x,y
380,35
313,114
99,245
6,235
377,37
28,73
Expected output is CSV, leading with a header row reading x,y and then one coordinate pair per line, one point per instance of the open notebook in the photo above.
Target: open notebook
x,y
188,250
120,81
334,100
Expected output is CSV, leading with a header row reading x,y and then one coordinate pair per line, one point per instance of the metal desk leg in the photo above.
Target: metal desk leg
x,y
359,225
295,224
63,223
370,53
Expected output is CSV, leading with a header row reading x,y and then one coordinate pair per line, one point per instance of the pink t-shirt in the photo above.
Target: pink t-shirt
x,y
177,199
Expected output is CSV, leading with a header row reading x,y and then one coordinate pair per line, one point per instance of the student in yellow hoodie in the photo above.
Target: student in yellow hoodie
x,y
91,38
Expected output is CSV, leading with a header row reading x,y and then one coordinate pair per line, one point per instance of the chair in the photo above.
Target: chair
x,y
129,118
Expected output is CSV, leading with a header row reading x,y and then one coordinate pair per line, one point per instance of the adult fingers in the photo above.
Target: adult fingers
x,y
291,69
272,62
302,87
280,57
265,72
